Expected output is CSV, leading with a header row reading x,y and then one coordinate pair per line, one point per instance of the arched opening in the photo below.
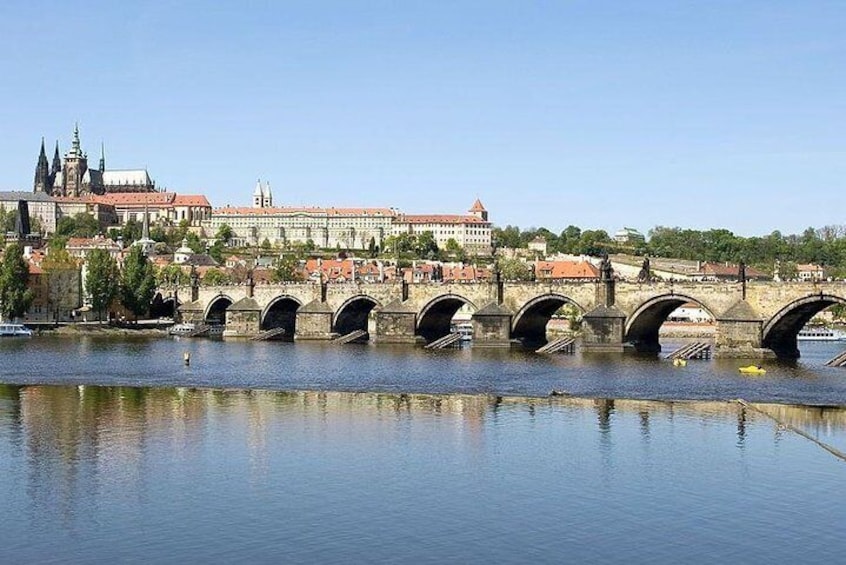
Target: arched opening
x,y
216,312
531,325
281,313
781,333
353,314
163,307
644,325
436,317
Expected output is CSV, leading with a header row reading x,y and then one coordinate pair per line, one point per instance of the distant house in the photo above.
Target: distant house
x,y
810,272
729,272
539,244
629,236
565,270
81,246
690,312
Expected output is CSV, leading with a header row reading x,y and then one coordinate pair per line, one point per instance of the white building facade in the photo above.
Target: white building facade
x,y
345,228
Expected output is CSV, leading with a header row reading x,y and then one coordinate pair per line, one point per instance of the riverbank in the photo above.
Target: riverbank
x,y
102,330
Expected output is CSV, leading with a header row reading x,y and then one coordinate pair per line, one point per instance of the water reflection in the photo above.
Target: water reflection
x,y
382,477
73,424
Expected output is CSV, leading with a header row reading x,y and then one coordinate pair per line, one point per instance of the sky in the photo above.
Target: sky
x,y
601,114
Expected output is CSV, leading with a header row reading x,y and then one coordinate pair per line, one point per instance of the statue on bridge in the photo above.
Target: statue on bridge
x,y
644,274
606,273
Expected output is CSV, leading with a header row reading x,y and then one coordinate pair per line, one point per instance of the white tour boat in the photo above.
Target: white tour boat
x,y
8,329
820,333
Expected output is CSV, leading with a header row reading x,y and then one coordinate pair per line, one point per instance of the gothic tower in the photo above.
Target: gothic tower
x,y
42,173
56,167
258,196
102,157
76,163
267,196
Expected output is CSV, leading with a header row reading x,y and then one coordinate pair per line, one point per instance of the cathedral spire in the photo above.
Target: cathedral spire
x,y
75,148
42,172
102,157
57,161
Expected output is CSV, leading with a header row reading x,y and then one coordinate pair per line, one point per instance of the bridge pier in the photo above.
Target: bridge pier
x,y
492,326
603,329
395,322
243,319
191,313
314,322
738,333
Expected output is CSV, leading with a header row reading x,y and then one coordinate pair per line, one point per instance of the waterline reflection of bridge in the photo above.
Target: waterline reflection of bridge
x,y
751,319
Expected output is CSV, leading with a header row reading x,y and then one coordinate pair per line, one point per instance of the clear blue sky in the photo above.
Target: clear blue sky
x,y
600,114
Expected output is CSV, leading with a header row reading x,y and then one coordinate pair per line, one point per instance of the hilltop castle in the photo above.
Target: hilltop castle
x,y
71,176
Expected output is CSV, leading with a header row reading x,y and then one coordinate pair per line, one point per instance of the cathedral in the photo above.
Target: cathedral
x,y
71,176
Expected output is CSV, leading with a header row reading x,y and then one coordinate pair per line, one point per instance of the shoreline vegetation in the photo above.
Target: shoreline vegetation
x,y
104,329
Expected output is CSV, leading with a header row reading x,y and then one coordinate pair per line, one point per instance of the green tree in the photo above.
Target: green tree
x,y
194,243
216,251
101,280
15,296
7,219
224,233
172,274
286,269
137,282
63,280
214,277
454,251
131,231
514,269
426,247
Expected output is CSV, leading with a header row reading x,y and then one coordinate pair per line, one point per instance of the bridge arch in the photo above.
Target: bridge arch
x,y
281,312
529,324
434,319
643,324
163,306
216,310
780,331
353,314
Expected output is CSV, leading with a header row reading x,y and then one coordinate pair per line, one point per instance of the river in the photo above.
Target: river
x,y
114,450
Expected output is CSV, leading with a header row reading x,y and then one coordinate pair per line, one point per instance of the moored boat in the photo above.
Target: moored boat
x,y
752,370
8,329
181,329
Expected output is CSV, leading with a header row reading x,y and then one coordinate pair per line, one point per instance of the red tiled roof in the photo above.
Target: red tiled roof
x,y
439,219
191,200
477,207
565,270
137,198
246,210
730,270
91,242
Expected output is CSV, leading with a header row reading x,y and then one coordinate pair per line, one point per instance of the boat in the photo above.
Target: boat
x,y
465,330
8,329
193,330
820,333
181,329
752,370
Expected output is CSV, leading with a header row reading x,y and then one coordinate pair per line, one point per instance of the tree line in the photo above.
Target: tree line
x,y
824,246
134,284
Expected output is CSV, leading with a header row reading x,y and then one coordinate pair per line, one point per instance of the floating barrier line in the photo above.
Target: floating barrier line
x,y
831,449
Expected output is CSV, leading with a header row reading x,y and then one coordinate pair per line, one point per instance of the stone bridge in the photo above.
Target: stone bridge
x,y
752,319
